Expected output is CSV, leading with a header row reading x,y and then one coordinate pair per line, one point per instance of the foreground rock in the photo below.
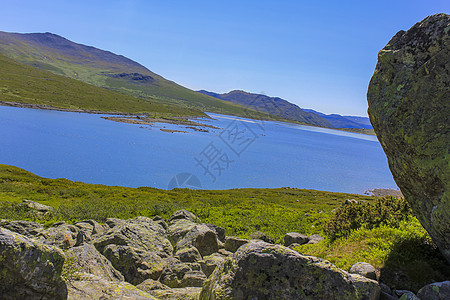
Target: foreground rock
x,y
29,269
409,107
94,287
136,247
259,270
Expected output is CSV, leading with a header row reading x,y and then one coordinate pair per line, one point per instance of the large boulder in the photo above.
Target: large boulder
x,y
409,101
138,248
30,269
259,270
435,291
62,235
95,287
26,228
86,259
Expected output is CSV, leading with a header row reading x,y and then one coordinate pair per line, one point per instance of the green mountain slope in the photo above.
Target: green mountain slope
x,y
26,84
105,69
272,105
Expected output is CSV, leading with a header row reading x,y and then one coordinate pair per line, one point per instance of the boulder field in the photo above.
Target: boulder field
x,y
409,98
178,258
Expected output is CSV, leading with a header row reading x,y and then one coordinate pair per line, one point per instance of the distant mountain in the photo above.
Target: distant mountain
x,y
271,105
339,121
58,55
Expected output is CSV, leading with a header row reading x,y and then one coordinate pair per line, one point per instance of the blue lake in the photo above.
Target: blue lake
x,y
243,153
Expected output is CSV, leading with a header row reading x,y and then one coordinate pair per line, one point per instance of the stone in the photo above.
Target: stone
x,y
178,229
233,243
138,248
259,270
30,269
201,237
295,237
26,228
113,222
86,259
36,206
183,215
193,279
409,296
150,285
173,274
220,231
95,287
364,269
62,235
314,239
210,263
188,293
435,291
189,254
258,235
408,100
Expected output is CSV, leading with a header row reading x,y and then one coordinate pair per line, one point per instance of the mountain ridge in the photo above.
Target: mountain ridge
x,y
288,110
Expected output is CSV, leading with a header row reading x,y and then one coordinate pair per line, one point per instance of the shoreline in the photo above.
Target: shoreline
x,y
133,118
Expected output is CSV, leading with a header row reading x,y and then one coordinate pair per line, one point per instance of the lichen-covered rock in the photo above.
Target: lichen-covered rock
x,y
95,287
409,100
259,270
36,206
314,239
183,215
26,228
435,291
90,228
295,237
150,285
201,237
220,231
193,279
189,254
233,243
258,235
209,263
30,269
173,274
364,269
188,293
178,229
137,248
62,235
87,259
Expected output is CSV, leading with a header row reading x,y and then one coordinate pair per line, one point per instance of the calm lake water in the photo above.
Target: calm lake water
x,y
243,153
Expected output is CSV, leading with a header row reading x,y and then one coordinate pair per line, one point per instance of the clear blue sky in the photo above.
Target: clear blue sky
x,y
317,54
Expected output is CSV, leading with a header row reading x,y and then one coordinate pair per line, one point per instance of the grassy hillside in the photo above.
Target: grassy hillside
x,y
25,84
105,69
380,231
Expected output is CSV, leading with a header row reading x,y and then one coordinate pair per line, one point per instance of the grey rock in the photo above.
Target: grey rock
x,y
36,206
295,237
315,238
259,270
201,237
409,108
193,279
173,274
26,228
210,263
233,243
62,235
95,287
136,247
188,293
220,231
364,269
258,235
30,269
86,259
150,285
435,291
189,254
183,215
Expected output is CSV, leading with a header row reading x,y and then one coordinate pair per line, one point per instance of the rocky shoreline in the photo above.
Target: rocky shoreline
x,y
178,258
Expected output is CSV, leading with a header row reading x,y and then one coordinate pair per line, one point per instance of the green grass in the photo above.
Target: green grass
x,y
384,234
25,84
